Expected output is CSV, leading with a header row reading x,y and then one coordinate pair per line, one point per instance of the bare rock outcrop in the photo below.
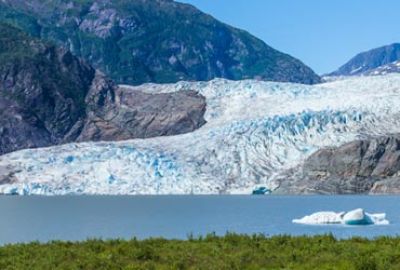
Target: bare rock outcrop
x,y
364,166
129,114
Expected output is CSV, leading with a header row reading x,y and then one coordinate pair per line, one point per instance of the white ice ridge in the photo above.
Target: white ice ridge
x,y
354,217
254,131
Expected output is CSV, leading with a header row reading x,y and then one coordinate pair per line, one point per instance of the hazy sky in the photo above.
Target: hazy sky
x,y
324,34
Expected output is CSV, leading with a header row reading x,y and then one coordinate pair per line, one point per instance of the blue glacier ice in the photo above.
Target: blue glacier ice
x,y
255,131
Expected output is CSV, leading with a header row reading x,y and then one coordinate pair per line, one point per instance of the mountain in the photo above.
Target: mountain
x,y
160,41
254,133
364,63
393,67
48,96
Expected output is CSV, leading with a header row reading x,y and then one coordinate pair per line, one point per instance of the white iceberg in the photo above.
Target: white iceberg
x,y
353,217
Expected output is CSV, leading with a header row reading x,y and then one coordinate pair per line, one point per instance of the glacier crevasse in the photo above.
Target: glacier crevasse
x,y
255,130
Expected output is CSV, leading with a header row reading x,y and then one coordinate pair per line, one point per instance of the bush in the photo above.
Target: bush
x,y
232,251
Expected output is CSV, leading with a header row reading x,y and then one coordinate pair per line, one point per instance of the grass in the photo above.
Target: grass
x,y
211,252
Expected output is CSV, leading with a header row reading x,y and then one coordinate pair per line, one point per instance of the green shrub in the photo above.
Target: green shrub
x,y
232,251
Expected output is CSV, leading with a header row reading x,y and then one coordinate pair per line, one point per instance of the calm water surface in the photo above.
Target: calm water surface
x,y
31,218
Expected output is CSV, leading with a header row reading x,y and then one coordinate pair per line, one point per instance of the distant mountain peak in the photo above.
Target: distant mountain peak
x,y
367,61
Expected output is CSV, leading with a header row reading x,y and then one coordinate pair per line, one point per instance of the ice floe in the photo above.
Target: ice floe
x,y
353,217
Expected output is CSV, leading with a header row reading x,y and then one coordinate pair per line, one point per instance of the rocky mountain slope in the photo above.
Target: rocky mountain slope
x,y
255,132
363,166
48,96
42,92
153,41
365,63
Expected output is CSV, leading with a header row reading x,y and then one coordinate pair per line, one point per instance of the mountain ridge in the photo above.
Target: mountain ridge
x,y
369,60
154,41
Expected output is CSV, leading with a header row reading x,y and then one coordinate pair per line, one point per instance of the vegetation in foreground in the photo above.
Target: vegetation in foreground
x,y
211,252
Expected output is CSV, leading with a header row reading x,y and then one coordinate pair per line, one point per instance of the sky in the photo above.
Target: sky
x,y
324,34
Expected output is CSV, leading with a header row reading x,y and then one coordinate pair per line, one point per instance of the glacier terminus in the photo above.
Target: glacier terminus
x,y
255,131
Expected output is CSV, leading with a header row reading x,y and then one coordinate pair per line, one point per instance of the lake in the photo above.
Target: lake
x,y
80,217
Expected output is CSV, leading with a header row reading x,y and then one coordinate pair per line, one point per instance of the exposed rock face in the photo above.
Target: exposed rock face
x,y
42,91
48,97
368,61
153,41
365,166
135,114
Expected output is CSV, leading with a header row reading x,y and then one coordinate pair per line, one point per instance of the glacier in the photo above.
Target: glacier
x,y
255,130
